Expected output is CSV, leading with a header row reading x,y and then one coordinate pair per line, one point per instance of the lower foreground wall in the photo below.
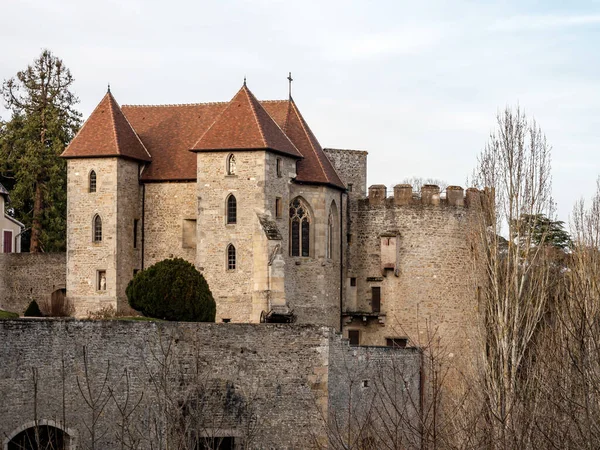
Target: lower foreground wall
x,y
173,385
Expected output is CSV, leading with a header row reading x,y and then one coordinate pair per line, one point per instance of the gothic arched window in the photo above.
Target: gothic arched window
x,y
231,164
92,181
97,225
231,257
299,228
231,209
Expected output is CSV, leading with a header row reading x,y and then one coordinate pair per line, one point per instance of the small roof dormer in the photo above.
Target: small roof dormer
x,y
245,125
107,132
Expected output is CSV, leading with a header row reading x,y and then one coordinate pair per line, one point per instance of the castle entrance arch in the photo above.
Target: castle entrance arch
x,y
46,435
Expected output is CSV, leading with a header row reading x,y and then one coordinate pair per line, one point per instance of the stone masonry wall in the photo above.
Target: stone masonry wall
x,y
233,290
168,205
351,166
30,276
432,292
129,211
313,283
85,257
374,396
268,386
263,384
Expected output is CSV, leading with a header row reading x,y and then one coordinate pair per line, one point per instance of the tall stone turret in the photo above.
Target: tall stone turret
x,y
103,209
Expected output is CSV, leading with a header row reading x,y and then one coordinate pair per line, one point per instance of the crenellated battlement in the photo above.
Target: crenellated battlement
x,y
430,195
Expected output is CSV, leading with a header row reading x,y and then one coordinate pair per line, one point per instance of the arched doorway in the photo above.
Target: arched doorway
x,y
44,436
59,305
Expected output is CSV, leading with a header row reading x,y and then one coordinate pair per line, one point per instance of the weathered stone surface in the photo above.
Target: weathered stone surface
x,y
270,385
30,276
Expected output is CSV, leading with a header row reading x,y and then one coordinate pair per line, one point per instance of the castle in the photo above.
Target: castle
x,y
282,229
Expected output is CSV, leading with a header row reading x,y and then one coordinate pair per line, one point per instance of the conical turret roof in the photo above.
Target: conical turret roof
x,y
107,132
245,125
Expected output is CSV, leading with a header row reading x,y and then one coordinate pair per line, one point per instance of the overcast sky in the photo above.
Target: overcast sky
x,y
416,84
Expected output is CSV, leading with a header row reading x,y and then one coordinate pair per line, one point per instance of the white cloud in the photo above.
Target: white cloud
x,y
544,22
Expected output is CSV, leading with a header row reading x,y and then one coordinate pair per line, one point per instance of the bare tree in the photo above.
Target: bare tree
x,y
515,170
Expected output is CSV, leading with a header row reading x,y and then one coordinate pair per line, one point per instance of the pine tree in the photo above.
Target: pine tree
x,y
43,121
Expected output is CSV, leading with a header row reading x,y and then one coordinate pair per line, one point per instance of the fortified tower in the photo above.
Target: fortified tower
x,y
103,209
245,163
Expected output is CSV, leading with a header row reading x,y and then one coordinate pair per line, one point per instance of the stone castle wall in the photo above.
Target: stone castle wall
x,y
85,257
312,283
167,208
129,214
269,386
30,276
419,253
351,166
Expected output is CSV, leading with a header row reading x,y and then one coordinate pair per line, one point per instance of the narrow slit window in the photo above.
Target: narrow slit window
x,y
97,225
92,181
231,209
135,232
278,207
278,166
231,262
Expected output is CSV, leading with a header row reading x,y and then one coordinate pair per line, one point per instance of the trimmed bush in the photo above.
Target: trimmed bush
x,y
33,310
172,289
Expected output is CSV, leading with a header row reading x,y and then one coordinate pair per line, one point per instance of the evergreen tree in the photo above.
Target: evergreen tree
x,y
43,121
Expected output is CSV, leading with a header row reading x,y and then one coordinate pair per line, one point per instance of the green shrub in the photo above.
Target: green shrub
x,y
33,310
8,315
172,289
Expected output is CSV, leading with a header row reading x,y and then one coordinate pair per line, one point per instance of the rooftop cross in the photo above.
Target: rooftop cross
x,y
290,79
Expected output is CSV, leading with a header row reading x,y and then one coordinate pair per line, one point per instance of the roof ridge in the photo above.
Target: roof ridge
x,y
302,123
114,125
273,101
134,132
248,94
170,105
84,124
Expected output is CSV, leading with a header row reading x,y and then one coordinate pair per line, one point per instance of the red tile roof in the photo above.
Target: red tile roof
x,y
244,124
107,133
168,132
315,167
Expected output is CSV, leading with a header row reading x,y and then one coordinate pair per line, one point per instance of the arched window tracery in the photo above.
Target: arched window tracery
x,y
300,220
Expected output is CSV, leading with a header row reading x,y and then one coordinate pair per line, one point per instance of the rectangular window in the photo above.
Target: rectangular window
x,y
349,238
101,280
376,299
278,207
349,187
353,281
188,238
354,337
135,232
396,342
278,167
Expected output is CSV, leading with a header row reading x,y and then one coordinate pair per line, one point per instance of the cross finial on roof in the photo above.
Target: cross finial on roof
x,y
290,79
108,88
244,80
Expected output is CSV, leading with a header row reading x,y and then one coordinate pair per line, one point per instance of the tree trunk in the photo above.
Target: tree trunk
x,y
36,228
